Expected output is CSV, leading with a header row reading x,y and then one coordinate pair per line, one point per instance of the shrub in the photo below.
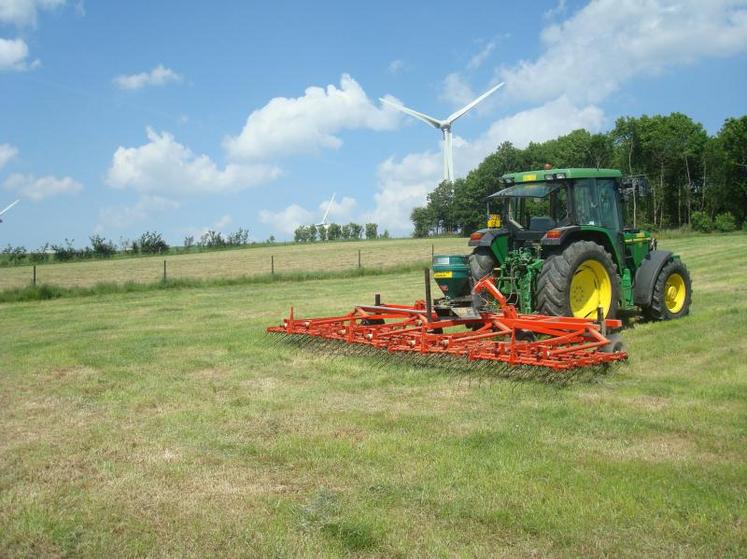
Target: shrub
x,y
725,222
189,241
15,254
40,255
151,243
240,237
66,252
101,247
212,239
701,221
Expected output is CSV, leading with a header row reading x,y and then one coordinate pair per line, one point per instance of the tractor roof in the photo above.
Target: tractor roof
x,y
551,174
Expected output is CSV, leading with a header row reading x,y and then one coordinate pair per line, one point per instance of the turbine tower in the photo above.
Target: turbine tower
x,y
444,126
6,209
324,219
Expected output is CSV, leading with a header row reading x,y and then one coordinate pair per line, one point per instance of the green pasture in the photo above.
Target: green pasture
x,y
167,423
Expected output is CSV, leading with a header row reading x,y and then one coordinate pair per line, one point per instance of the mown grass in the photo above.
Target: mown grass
x,y
314,258
166,422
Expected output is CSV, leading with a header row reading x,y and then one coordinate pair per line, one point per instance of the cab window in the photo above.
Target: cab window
x,y
595,202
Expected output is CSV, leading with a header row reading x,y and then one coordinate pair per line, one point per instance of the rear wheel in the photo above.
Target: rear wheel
x,y
672,293
577,281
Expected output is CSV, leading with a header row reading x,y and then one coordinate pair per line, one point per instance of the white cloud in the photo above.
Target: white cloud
x,y
223,222
37,189
286,221
396,66
539,124
14,55
403,184
607,42
123,216
24,12
306,124
164,166
559,9
456,90
477,60
7,153
160,75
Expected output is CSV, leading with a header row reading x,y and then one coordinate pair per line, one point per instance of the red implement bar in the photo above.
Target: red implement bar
x,y
559,343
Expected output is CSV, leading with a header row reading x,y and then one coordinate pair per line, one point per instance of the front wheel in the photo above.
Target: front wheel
x,y
672,293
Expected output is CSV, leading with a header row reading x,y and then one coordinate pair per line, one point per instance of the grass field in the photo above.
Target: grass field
x,y
234,263
166,423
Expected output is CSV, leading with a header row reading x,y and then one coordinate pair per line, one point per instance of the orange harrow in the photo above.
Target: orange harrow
x,y
503,335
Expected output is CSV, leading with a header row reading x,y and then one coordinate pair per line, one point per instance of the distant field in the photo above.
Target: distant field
x,y
166,423
235,263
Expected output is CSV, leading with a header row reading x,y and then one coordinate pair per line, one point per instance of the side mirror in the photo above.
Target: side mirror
x,y
634,184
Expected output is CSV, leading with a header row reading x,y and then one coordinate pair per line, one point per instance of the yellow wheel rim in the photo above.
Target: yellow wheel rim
x,y
674,293
591,287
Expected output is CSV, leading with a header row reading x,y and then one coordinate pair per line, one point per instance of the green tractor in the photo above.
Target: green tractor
x,y
557,245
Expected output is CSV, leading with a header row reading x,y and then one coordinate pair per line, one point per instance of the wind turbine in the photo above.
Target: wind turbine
x,y
444,126
6,209
324,219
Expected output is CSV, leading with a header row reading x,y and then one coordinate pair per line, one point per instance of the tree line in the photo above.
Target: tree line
x,y
336,232
694,179
149,243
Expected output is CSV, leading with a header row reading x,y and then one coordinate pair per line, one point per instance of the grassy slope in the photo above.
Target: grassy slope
x,y
166,423
248,261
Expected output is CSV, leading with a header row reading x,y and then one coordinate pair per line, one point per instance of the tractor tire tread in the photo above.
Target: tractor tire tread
x,y
554,280
658,309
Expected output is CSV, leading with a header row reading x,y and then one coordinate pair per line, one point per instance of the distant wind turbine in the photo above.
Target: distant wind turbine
x,y
444,126
6,209
324,219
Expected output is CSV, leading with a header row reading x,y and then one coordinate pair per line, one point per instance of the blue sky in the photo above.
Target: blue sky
x,y
121,117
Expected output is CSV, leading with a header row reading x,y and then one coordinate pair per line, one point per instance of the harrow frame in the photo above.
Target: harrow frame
x,y
558,343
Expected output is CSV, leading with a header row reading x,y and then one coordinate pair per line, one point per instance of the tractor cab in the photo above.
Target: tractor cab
x,y
530,206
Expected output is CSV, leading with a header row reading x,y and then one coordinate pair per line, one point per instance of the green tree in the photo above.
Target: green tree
x,y
321,231
371,231
356,230
334,233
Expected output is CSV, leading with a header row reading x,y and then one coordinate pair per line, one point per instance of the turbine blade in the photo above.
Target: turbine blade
x,y
10,206
424,117
324,219
466,108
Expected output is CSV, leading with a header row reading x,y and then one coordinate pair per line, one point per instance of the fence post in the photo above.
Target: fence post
x,y
433,249
164,269
272,265
359,258
33,281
